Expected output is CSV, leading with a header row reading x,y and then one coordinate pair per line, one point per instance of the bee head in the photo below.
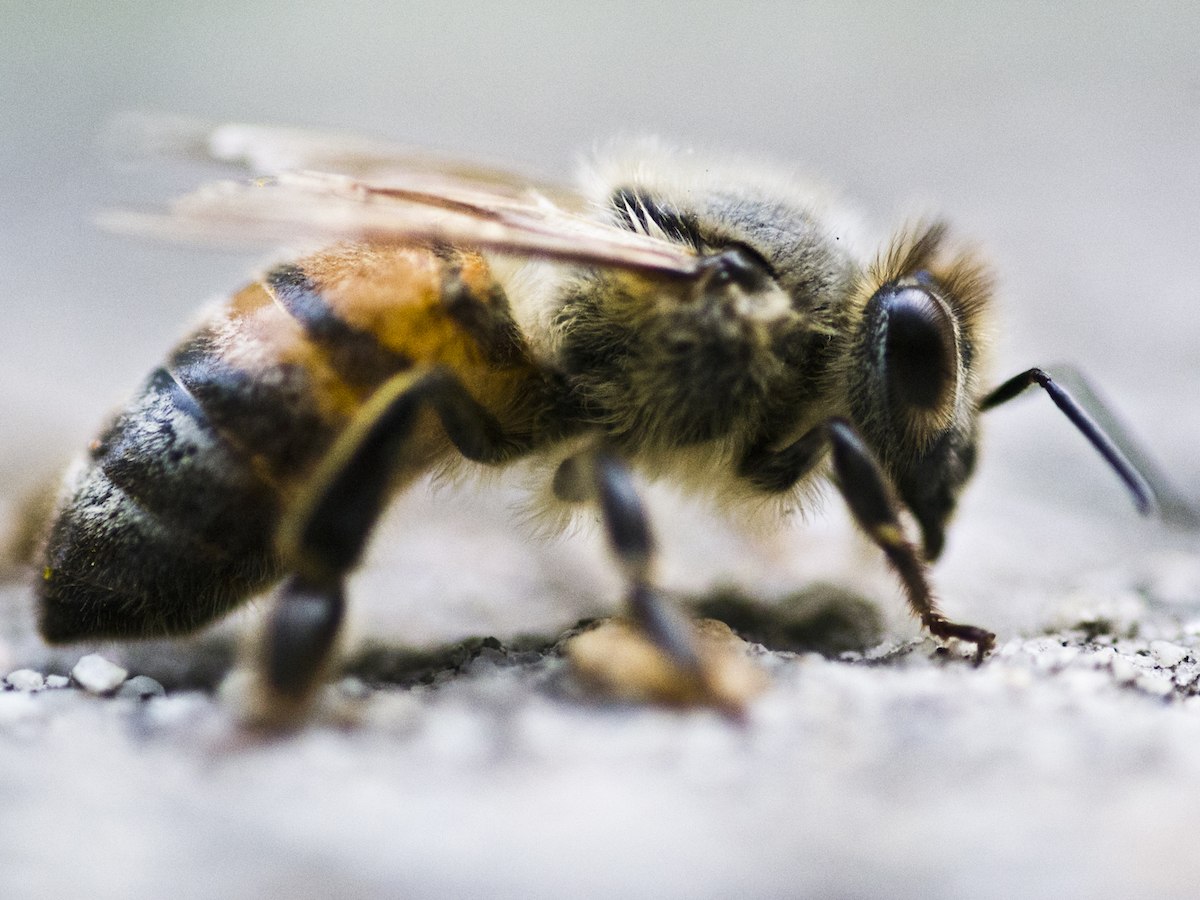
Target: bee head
x,y
913,380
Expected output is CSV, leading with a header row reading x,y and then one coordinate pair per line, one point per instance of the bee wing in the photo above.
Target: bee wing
x,y
381,194
419,207
274,149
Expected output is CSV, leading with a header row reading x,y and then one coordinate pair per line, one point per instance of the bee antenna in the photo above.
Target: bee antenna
x,y
1152,490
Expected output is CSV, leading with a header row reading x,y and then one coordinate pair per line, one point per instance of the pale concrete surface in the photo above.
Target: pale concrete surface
x,y
1065,142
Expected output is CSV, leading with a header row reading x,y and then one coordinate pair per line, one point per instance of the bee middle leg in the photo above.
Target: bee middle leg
x,y
324,536
699,670
601,475
865,489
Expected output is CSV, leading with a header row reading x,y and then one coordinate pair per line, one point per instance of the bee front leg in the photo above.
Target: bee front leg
x,y
865,489
325,534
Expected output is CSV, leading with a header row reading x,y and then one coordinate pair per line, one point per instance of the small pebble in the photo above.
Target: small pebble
x,y
492,654
141,687
1185,676
97,675
1167,653
57,681
354,688
25,680
1123,670
1158,683
1101,658
1054,657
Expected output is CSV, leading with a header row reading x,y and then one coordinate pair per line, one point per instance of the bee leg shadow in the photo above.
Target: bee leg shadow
x,y
324,536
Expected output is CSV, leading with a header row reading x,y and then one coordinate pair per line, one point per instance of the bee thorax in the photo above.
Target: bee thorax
x,y
677,375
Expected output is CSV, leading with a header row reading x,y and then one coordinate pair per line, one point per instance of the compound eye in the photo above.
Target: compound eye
x,y
738,265
920,348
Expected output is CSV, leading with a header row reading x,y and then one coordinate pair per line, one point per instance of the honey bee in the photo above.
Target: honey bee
x,y
714,323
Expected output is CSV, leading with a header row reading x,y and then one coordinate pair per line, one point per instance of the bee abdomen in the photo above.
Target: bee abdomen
x,y
355,354
115,569
164,452
171,522
164,527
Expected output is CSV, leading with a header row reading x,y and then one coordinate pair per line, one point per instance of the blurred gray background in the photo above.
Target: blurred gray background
x,y
1064,138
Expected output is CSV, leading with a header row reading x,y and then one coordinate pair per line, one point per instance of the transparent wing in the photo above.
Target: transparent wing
x,y
316,206
406,199
273,149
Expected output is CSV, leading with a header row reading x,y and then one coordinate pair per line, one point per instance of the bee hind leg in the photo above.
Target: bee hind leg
x,y
324,535
301,633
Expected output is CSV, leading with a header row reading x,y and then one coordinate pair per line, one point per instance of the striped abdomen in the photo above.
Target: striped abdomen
x,y
170,521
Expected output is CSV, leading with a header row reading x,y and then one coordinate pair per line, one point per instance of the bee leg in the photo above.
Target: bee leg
x,y
684,667
301,633
865,488
776,471
326,533
601,475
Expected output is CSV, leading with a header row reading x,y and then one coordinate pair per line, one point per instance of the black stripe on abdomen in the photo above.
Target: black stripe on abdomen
x,y
162,451
116,569
271,412
356,355
162,530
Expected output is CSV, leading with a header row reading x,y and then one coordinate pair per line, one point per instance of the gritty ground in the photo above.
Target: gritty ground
x,y
1062,137
1061,766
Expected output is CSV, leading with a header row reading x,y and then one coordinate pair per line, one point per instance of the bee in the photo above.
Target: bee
x,y
673,318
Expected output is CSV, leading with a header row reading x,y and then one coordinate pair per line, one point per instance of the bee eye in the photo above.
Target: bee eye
x,y
920,349
739,265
